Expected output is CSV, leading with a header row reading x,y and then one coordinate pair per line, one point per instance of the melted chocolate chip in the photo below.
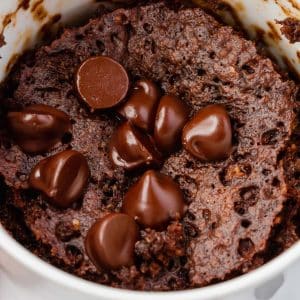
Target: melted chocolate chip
x,y
62,177
154,200
38,127
141,107
172,115
208,136
102,82
110,241
129,148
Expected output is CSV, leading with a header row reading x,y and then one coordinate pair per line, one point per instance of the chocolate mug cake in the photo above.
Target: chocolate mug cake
x,y
152,148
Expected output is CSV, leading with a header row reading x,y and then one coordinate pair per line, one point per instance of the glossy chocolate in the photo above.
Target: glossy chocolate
x,y
208,136
102,82
154,200
110,241
172,114
131,149
38,127
141,107
61,178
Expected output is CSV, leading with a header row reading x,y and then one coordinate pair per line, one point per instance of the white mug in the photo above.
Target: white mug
x,y
36,279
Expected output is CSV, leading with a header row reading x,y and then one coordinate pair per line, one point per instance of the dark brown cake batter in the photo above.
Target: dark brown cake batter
x,y
233,204
291,29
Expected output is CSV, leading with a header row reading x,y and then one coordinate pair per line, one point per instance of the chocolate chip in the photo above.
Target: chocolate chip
x,y
102,82
62,177
208,136
110,241
154,200
129,148
38,127
172,115
141,107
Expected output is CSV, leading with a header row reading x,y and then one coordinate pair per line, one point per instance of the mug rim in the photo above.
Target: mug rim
x,y
48,272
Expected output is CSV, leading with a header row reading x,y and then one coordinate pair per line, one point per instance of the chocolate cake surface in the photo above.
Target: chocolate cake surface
x,y
233,205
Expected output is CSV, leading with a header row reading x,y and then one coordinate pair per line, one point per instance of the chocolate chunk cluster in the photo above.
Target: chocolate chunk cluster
x,y
153,127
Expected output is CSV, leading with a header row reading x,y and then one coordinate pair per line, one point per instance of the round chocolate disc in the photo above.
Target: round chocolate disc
x,y
102,82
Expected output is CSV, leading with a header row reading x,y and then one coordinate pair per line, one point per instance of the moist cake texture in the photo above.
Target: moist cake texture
x,y
236,207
